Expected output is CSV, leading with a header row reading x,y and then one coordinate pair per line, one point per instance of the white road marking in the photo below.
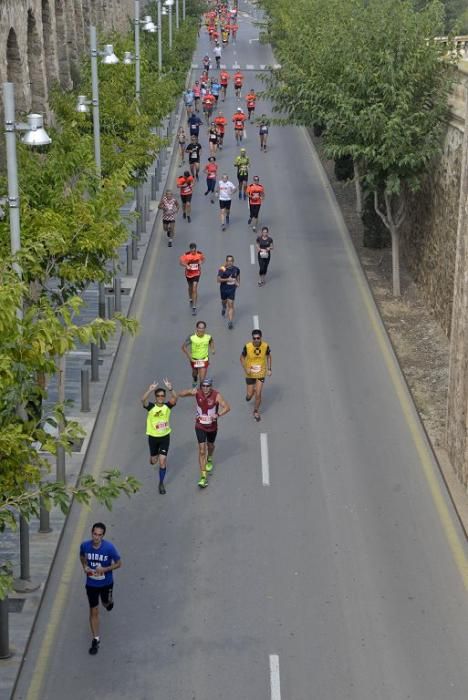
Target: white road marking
x,y
266,479
252,254
262,66
256,322
275,677
194,65
249,66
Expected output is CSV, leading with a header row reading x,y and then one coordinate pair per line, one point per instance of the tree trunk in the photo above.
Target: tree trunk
x,y
358,188
457,402
395,234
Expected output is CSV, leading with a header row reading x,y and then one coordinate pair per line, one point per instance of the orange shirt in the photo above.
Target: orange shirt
x,y
238,79
211,169
255,192
185,184
250,100
220,123
209,100
224,77
239,120
193,260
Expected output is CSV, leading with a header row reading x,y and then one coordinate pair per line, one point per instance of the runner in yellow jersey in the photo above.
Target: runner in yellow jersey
x,y
197,348
256,361
158,428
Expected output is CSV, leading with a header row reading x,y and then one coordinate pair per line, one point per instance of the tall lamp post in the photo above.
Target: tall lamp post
x,y
183,10
177,14
34,135
169,4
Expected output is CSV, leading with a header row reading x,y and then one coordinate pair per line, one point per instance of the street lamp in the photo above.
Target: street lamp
x,y
177,14
151,28
169,4
34,135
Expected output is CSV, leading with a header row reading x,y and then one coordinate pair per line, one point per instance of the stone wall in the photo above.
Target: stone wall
x,y
41,42
429,235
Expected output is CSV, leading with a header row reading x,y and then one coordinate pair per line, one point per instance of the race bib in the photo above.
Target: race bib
x,y
199,363
264,253
161,426
231,281
193,266
255,368
97,577
205,420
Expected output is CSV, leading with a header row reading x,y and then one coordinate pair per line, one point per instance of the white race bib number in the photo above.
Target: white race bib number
x,y
199,363
205,420
231,281
255,368
97,577
193,266
264,253
161,426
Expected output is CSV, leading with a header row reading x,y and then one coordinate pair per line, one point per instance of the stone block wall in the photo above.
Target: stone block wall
x,y
429,234
41,42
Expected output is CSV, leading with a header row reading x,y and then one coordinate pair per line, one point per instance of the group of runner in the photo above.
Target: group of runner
x,y
99,557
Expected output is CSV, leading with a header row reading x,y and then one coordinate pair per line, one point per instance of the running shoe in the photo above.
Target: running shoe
x,y
203,482
223,227
249,221
94,648
184,215
209,465
189,219
254,228
256,415
230,325
223,310
162,489
194,310
169,244
227,218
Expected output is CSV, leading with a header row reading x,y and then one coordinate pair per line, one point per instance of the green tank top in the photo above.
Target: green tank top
x,y
157,421
200,346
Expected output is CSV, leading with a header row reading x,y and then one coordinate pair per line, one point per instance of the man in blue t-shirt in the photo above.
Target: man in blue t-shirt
x,y
99,558
228,280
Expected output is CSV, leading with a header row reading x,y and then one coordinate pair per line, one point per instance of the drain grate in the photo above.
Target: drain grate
x,y
15,605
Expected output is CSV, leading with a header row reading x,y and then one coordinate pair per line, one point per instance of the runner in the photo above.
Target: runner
x,y
181,140
217,51
264,246
169,207
192,261
256,361
242,162
99,558
225,190
197,349
228,280
158,427
256,194
209,102
196,95
238,82
206,64
234,30
224,35
221,122
250,100
189,98
223,81
238,119
210,407
213,138
211,170
185,185
215,88
263,132
194,150
194,122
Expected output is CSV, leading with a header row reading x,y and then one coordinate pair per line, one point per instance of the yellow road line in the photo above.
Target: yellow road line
x,y
37,679
424,453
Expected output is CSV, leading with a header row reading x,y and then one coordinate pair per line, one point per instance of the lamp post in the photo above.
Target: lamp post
x,y
169,4
151,28
177,14
35,135
137,50
183,10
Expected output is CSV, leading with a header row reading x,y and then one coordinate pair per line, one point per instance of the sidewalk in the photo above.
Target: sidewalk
x,y
23,606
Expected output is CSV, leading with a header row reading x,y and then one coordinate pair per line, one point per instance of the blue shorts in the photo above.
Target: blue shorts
x,y
227,291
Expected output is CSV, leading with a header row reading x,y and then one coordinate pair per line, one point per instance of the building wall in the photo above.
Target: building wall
x,y
429,235
41,42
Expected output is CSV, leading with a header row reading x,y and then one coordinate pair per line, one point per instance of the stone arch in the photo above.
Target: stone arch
x,y
15,70
62,44
36,67
50,46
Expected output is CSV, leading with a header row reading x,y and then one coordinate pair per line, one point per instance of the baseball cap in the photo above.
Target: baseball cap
x,y
207,382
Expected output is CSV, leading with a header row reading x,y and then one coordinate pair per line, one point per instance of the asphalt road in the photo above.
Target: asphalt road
x,y
344,577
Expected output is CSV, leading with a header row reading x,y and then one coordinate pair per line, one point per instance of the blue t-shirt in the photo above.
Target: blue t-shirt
x,y
104,555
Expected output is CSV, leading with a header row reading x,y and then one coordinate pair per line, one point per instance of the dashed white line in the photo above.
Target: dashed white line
x,y
252,254
275,685
265,465
249,66
256,322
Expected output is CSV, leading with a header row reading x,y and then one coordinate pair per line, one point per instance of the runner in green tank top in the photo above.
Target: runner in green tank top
x,y
197,349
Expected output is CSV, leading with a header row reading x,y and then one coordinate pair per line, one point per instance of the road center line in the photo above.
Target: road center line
x,y
256,322
265,462
252,254
275,677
